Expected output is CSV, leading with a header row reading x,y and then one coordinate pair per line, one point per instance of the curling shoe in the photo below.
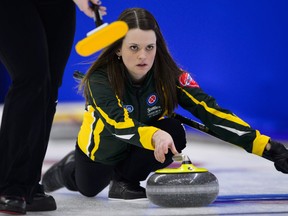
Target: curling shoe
x,y
12,205
41,201
52,180
126,191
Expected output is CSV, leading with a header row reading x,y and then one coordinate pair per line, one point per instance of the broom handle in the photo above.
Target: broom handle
x,y
98,18
194,124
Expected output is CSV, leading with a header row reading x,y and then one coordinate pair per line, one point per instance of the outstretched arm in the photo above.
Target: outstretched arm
x,y
273,151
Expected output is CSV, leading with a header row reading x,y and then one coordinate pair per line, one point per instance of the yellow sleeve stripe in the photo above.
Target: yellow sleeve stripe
x,y
128,122
98,129
259,143
146,136
85,134
214,111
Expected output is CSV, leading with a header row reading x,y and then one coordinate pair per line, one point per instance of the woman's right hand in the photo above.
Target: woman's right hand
x,y
163,142
85,7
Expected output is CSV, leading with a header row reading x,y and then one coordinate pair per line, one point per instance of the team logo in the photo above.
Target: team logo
x,y
187,81
154,111
152,99
129,108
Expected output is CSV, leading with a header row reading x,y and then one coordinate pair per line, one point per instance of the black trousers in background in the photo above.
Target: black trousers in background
x,y
90,178
36,37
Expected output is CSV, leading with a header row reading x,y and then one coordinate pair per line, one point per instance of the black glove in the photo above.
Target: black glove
x,y
279,155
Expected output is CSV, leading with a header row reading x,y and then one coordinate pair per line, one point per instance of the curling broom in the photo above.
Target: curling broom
x,y
102,36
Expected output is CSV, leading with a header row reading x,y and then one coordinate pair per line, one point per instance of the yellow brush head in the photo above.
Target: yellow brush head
x,y
101,38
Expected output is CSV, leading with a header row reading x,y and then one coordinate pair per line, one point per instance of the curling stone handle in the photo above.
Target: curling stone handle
x,y
178,157
182,158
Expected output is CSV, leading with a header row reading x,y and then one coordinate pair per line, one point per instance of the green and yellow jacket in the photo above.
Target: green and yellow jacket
x,y
110,125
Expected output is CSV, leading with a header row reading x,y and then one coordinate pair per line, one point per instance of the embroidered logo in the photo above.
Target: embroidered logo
x,y
129,108
187,81
154,111
152,99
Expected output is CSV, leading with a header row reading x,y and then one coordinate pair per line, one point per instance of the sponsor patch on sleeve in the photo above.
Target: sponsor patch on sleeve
x,y
186,80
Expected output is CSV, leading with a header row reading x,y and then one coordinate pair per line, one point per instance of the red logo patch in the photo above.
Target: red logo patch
x,y
187,81
152,99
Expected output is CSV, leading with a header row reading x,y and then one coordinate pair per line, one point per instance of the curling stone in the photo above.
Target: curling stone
x,y
185,186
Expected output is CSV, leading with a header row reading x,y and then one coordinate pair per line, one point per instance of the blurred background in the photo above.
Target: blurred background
x,y
236,50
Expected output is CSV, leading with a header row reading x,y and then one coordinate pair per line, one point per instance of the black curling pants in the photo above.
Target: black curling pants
x,y
36,37
90,178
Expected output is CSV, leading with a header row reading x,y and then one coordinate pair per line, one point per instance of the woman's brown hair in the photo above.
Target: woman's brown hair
x,y
165,69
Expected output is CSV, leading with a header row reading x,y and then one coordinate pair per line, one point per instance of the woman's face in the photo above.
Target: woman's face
x,y
138,52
